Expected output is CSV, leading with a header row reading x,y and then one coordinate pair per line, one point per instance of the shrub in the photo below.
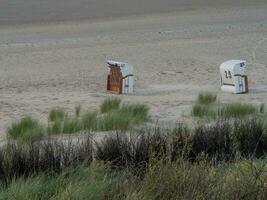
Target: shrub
x,y
132,152
213,140
26,130
206,98
249,137
181,142
110,104
49,155
115,149
150,145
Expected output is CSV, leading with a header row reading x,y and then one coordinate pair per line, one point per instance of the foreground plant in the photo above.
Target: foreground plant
x,y
26,130
110,104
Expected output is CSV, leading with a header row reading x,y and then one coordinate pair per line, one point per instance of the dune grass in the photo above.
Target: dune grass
x,y
205,162
163,180
90,183
125,117
205,107
110,104
89,120
222,160
138,112
201,111
26,130
56,114
262,108
237,110
206,98
112,115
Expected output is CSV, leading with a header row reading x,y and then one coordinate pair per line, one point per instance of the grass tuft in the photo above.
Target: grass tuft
x,y
26,130
237,110
262,108
89,120
110,104
206,98
201,111
56,114
124,118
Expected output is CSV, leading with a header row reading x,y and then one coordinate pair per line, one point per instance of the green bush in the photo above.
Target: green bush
x,y
110,104
26,130
206,98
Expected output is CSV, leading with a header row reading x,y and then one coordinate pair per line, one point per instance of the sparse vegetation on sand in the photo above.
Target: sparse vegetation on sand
x,y
205,107
112,115
237,110
110,104
26,130
205,98
225,159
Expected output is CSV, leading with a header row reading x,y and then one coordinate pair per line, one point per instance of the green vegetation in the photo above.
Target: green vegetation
x,y
178,180
89,120
262,108
204,111
56,114
205,107
206,98
237,110
112,116
222,160
110,104
26,130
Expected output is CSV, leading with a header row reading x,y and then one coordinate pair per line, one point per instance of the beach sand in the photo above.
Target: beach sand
x,y
176,54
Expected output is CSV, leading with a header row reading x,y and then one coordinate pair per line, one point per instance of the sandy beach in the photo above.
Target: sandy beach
x,y
52,57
